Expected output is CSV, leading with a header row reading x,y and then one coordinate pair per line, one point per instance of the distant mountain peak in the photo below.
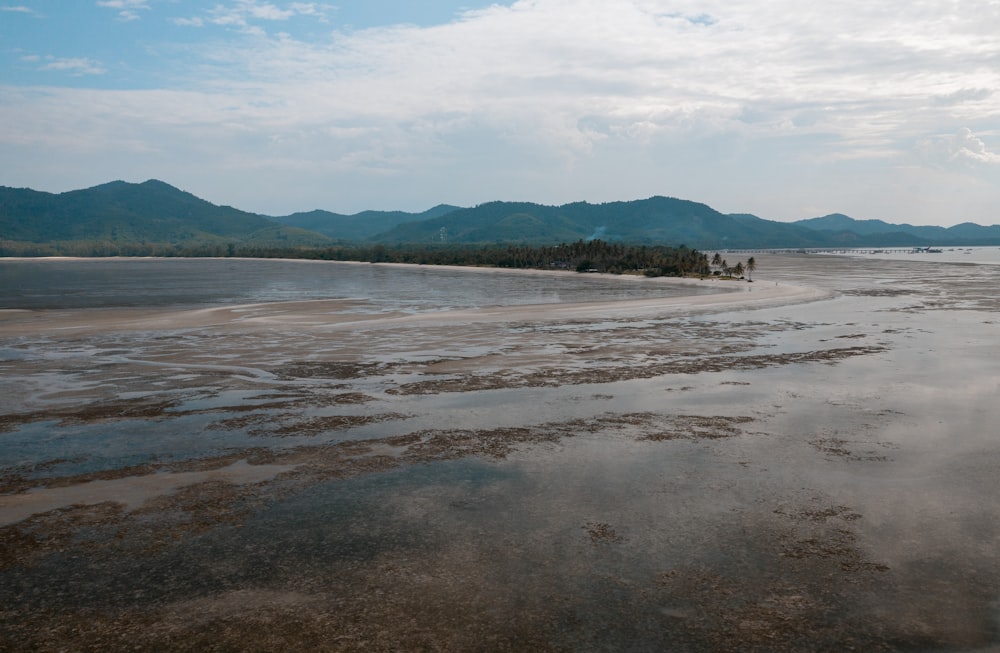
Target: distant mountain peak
x,y
156,183
122,212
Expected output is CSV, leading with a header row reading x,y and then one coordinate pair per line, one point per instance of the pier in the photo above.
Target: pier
x,y
831,250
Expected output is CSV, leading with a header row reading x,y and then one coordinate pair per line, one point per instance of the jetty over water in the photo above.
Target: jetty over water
x,y
834,250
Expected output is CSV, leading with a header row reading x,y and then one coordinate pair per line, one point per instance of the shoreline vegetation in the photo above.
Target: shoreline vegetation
x,y
595,256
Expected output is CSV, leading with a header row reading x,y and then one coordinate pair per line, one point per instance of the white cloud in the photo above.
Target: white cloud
x,y
266,11
320,10
74,66
963,147
538,70
557,100
128,10
19,9
241,14
188,22
969,146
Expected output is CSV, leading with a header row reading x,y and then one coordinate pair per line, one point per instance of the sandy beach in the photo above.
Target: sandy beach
x,y
805,462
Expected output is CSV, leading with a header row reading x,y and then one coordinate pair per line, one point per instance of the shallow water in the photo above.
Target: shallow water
x,y
94,283
816,476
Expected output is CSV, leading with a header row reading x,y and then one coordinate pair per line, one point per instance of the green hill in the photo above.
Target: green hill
x,y
668,220
155,218
843,229
654,220
123,213
359,226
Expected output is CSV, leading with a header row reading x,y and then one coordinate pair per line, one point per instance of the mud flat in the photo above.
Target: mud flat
x,y
807,462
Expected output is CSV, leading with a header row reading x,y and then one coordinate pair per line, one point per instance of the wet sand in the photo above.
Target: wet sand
x,y
336,313
805,463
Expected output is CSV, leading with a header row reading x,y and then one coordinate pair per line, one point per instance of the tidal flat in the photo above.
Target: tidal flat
x,y
805,462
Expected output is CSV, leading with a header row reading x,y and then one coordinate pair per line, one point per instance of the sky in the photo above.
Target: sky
x,y
780,108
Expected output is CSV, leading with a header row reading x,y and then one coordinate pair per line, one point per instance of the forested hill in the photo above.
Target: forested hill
x,y
121,213
654,220
359,226
876,232
669,220
155,218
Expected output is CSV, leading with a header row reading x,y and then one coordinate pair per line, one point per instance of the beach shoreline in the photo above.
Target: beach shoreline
x,y
731,294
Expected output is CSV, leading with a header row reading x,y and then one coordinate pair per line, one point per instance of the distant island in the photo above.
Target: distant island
x,y
154,218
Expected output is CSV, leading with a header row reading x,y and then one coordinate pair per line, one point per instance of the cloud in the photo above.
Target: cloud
x,y
964,95
74,66
963,148
558,100
128,10
576,75
311,9
188,22
19,9
242,14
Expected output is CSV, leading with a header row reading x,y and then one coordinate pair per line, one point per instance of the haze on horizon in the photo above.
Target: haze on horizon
x,y
778,108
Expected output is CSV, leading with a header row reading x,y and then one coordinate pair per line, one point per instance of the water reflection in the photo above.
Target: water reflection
x,y
92,283
804,477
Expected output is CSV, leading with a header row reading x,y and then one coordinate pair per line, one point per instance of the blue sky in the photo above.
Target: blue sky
x,y
773,107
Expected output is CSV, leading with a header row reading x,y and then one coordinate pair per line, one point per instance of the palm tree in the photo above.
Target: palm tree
x,y
738,270
717,260
751,266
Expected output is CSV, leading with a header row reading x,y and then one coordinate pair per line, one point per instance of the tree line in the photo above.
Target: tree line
x,y
583,255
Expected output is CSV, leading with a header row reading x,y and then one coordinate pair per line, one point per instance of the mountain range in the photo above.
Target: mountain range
x,y
156,212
